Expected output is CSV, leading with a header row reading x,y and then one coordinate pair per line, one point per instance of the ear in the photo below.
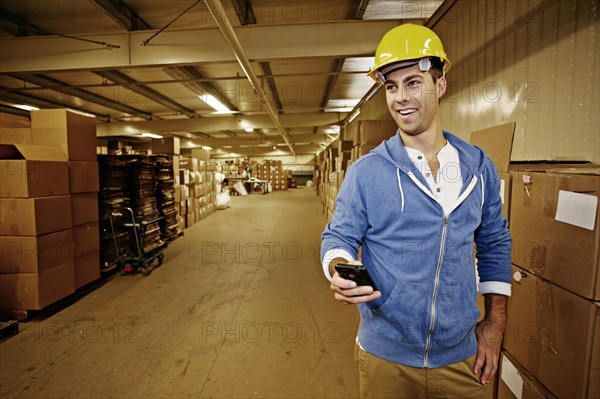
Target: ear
x,y
441,85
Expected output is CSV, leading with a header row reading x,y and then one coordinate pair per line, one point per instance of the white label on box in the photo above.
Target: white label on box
x,y
502,190
577,209
512,378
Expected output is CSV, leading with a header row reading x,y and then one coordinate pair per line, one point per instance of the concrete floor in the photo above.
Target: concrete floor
x,y
239,309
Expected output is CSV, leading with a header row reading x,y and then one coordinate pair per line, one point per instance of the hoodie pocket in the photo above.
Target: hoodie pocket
x,y
403,315
456,316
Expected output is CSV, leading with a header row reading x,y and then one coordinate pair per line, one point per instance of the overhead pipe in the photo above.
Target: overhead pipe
x,y
218,12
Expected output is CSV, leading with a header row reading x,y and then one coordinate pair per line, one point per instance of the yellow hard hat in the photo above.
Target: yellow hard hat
x,y
408,42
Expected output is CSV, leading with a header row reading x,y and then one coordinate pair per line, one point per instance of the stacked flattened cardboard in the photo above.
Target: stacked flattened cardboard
x,y
115,198
165,196
49,244
143,197
168,192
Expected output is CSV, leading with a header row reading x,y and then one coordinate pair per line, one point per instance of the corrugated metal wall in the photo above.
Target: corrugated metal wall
x,y
532,62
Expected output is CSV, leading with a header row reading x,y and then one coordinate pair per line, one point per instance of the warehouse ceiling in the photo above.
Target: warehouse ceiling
x,y
244,77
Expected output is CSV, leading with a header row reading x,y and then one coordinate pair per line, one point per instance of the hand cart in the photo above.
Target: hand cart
x,y
145,244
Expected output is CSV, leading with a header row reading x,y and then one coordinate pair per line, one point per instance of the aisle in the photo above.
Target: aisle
x,y
239,309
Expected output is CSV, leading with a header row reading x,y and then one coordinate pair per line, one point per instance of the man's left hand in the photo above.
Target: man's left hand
x,y
489,341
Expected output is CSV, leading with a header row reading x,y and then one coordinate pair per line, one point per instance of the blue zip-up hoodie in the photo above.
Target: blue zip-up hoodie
x,y
421,260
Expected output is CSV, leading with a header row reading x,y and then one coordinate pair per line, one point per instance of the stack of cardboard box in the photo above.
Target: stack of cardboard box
x,y
334,161
197,189
36,238
553,331
278,176
370,134
263,170
75,136
551,345
291,180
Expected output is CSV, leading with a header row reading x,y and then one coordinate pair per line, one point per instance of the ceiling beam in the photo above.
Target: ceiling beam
x,y
193,80
251,140
122,14
17,26
40,102
121,78
41,80
181,47
218,124
5,109
218,12
264,151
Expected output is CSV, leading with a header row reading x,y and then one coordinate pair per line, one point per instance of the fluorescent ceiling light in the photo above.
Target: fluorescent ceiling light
x,y
152,135
213,102
332,129
26,107
354,115
206,148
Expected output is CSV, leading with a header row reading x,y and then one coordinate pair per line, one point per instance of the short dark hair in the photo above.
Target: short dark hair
x,y
437,69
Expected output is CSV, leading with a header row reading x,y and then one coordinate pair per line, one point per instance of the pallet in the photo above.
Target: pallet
x,y
6,315
8,329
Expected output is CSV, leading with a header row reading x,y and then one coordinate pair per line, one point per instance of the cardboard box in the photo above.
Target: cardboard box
x,y
175,164
555,335
29,254
345,146
364,149
15,135
375,131
184,176
86,269
32,171
166,145
190,219
84,208
497,142
72,133
34,291
554,223
86,238
12,121
84,177
516,382
34,216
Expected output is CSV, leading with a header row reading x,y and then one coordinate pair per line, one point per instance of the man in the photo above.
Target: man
x,y
416,205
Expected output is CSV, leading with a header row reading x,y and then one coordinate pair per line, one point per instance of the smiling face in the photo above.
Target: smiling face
x,y
413,100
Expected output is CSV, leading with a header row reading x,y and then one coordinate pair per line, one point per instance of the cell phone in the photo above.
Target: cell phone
x,y
357,273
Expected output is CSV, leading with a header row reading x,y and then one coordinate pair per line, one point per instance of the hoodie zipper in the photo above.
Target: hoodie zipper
x,y
435,291
436,283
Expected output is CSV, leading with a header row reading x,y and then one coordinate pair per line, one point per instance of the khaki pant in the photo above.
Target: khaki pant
x,y
380,378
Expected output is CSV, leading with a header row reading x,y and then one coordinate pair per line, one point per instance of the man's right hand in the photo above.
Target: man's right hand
x,y
348,293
